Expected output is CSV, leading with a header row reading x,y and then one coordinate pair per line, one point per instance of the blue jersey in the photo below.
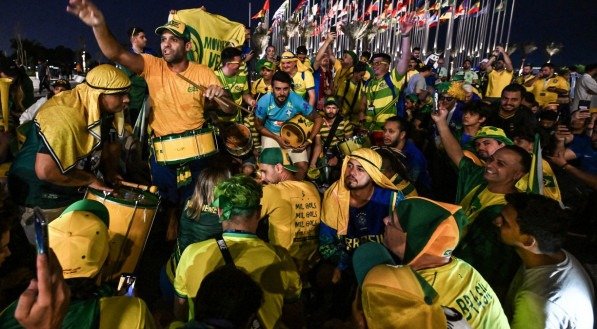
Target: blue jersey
x,y
365,224
274,116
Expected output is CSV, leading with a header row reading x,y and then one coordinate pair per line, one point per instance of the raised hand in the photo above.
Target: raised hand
x,y
407,22
86,11
45,302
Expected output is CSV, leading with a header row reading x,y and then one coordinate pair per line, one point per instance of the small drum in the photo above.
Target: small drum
x,y
348,145
376,138
181,148
131,217
238,139
296,130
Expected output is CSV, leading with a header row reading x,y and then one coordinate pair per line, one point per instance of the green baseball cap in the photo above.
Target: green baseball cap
x,y
268,66
275,155
330,101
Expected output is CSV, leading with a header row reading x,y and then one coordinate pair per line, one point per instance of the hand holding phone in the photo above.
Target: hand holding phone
x,y
41,231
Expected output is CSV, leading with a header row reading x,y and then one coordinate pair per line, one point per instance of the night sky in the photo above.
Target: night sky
x,y
46,21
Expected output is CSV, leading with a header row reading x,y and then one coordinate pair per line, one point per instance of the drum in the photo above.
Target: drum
x,y
131,217
376,138
348,145
238,139
185,147
296,131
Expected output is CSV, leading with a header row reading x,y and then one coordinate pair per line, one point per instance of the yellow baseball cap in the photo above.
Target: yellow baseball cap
x,y
80,239
177,28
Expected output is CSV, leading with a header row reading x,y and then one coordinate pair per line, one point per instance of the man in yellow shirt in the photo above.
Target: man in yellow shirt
x,y
293,207
304,84
238,202
499,73
547,86
177,105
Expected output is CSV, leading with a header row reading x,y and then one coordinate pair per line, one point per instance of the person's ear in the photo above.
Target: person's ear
x,y
528,241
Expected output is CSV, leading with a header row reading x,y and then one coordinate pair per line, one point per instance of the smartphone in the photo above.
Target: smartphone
x,y
435,103
126,284
584,105
333,29
41,231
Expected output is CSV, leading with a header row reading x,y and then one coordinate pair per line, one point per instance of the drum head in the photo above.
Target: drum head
x,y
293,134
238,139
128,196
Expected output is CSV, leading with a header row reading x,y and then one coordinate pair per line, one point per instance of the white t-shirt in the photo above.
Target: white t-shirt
x,y
551,296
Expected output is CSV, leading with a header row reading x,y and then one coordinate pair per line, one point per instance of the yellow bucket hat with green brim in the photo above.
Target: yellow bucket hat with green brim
x,y
493,133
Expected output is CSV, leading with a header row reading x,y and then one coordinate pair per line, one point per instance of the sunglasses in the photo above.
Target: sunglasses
x,y
233,62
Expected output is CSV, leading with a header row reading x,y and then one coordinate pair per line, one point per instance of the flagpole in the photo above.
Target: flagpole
x,y
510,24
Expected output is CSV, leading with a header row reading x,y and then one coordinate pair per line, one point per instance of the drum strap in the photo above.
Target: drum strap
x,y
331,134
224,250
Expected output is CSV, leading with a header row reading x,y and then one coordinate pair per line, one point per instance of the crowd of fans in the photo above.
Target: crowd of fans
x,y
322,191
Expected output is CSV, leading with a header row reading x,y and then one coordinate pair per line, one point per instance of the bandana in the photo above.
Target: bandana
x,y
237,194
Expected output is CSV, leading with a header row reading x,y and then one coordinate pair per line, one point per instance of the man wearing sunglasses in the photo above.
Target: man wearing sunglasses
x,y
234,78
383,89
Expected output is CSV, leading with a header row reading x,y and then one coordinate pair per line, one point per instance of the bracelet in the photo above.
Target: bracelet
x,y
564,166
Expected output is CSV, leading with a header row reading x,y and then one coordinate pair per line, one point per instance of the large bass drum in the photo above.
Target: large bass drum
x,y
131,216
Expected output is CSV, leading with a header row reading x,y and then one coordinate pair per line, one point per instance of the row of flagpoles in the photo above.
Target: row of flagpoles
x,y
460,29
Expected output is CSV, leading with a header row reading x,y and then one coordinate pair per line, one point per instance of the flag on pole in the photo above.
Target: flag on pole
x,y
263,10
280,13
302,4
461,9
436,6
372,7
315,9
536,184
447,15
474,8
210,34
433,20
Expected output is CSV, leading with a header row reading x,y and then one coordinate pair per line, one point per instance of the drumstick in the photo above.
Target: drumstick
x,y
151,189
223,102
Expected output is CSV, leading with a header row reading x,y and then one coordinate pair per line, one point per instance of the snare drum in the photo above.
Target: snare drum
x,y
181,148
238,140
296,131
131,216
